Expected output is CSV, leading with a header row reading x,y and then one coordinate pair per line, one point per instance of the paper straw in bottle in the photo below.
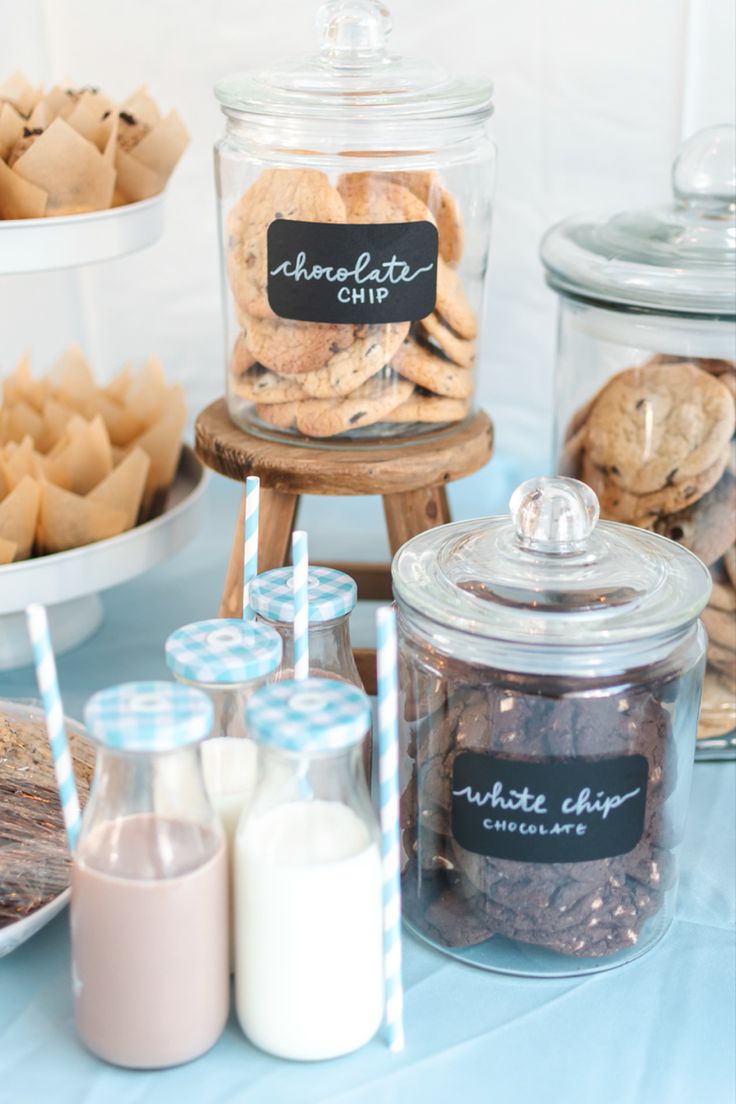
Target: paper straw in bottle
x,y
388,779
300,559
48,685
250,540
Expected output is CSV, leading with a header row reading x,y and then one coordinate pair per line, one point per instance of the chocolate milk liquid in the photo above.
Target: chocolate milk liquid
x,y
149,952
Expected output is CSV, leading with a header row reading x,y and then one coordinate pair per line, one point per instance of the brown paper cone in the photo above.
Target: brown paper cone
x,y
17,91
22,386
133,181
70,169
18,516
117,388
160,150
123,488
20,461
21,421
142,106
19,198
11,128
146,395
84,461
122,425
162,442
87,120
54,103
67,520
56,418
8,550
71,381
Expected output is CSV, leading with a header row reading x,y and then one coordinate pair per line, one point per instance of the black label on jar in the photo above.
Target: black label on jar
x,y
572,811
332,272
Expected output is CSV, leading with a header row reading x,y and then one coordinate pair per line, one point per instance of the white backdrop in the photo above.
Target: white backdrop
x,y
592,99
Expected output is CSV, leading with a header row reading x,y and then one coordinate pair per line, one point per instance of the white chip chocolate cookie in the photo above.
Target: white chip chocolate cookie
x,y
303,194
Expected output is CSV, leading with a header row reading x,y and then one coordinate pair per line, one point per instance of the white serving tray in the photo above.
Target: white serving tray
x,y
68,583
12,935
36,245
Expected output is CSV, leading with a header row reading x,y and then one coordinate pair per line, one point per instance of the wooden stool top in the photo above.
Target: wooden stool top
x,y
424,461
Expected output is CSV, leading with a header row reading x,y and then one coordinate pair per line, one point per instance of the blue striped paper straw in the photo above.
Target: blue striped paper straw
x,y
250,541
300,578
48,685
388,780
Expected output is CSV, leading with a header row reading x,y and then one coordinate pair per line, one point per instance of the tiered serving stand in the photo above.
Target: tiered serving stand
x,y
68,583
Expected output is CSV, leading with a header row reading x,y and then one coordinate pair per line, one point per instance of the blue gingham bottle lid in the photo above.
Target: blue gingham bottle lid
x,y
309,715
331,594
223,652
148,716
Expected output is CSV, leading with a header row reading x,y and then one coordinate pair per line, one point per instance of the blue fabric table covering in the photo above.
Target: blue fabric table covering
x,y
659,1031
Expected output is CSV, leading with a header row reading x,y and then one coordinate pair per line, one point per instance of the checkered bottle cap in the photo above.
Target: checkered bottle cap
x,y
331,594
148,716
310,715
223,651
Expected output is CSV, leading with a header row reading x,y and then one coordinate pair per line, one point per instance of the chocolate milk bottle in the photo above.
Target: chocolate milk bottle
x,y
149,910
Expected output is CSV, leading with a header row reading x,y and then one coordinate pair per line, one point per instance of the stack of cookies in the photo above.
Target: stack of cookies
x,y
657,445
326,379
459,898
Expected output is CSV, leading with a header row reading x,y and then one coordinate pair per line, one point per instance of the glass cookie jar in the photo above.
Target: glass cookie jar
x,y
646,381
551,672
355,199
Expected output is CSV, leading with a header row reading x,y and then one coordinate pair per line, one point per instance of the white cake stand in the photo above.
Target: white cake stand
x,y
68,583
37,245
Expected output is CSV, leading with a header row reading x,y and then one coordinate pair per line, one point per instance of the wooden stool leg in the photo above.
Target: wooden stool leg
x,y
277,514
411,512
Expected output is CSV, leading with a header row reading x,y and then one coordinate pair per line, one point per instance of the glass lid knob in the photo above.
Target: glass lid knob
x,y
354,32
553,515
704,172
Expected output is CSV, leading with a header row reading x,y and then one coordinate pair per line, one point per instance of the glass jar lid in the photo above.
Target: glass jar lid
x,y
550,576
223,652
330,593
311,715
677,258
143,717
354,76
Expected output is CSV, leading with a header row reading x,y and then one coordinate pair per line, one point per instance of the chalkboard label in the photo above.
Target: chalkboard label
x,y
572,811
330,272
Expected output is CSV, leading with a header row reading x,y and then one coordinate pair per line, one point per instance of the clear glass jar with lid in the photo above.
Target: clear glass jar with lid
x,y
646,380
551,671
355,194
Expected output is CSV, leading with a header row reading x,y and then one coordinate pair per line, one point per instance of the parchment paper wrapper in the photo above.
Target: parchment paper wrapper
x,y
18,516
19,92
143,171
7,551
71,170
123,488
68,520
82,458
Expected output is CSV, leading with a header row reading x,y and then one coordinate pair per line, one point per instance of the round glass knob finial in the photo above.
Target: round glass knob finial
x,y
704,172
353,32
553,514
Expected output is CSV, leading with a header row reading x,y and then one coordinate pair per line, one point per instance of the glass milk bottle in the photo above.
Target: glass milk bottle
x,y
332,598
309,968
228,660
149,883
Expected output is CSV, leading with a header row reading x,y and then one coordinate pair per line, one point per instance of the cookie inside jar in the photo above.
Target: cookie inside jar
x,y
646,382
551,669
355,195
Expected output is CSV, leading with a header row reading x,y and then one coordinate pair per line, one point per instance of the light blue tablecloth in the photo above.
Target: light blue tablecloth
x,y
660,1031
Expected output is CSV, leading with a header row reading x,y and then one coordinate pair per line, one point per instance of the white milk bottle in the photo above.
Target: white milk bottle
x,y
308,896
229,660
148,915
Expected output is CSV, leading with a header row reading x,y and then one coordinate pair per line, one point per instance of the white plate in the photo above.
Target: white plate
x,y
35,245
12,935
68,582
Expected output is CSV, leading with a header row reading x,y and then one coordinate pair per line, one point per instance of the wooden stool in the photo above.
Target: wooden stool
x,y
410,478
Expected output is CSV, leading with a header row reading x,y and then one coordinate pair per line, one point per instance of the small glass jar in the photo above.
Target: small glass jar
x,y
355,193
332,597
550,675
646,381
309,954
149,883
